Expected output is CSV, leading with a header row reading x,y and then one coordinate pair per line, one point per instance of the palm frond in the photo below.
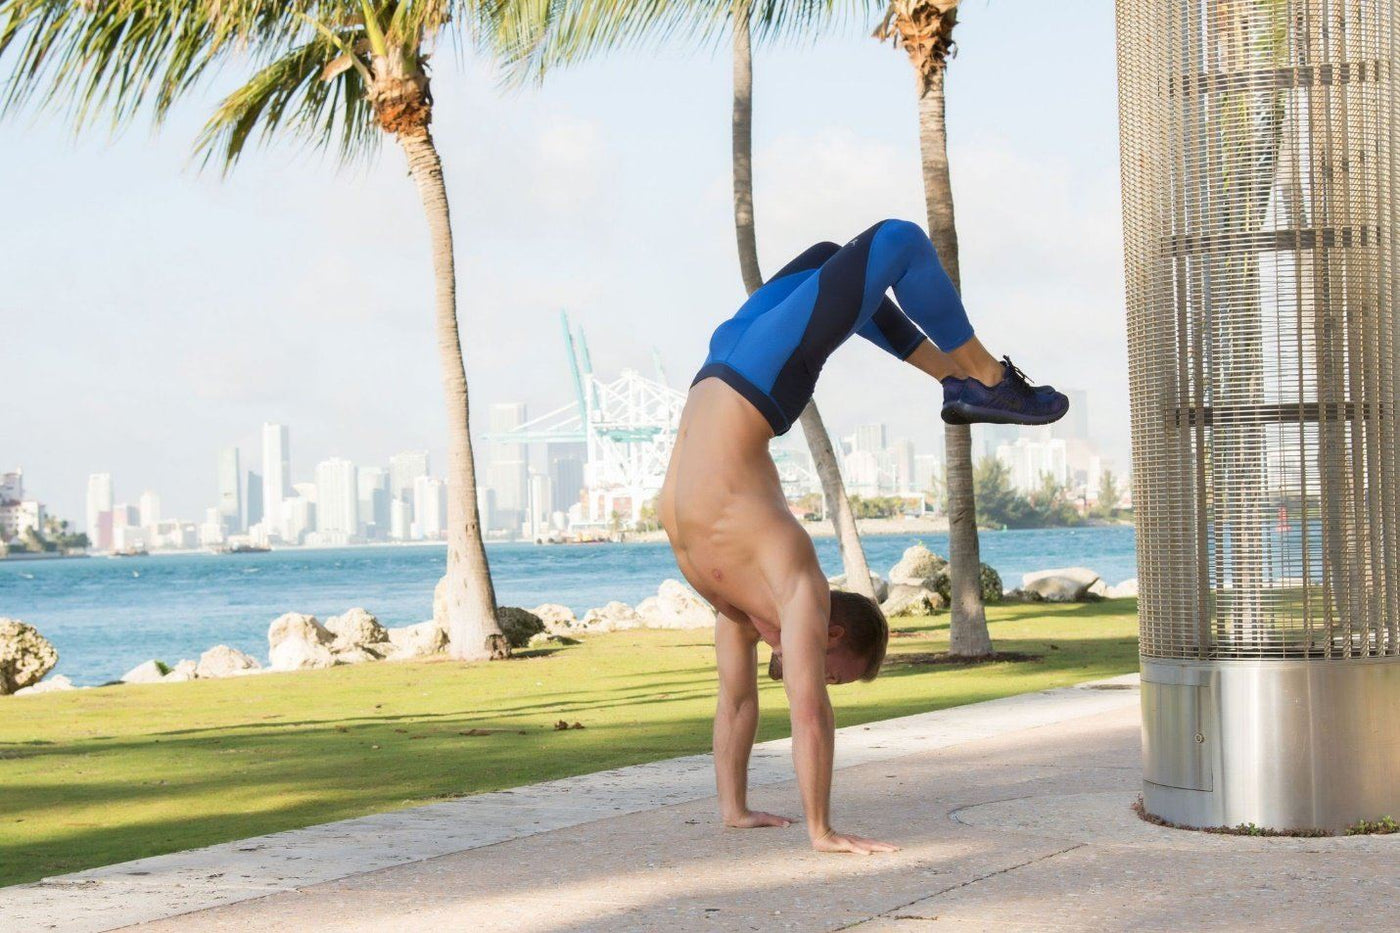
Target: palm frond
x,y
537,36
113,56
295,94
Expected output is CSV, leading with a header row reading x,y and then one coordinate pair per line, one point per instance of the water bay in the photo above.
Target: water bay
x,y
105,615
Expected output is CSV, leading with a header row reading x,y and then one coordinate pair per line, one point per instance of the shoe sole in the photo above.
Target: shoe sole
x,y
963,413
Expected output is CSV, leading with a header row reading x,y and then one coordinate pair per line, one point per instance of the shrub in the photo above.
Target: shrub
x,y
991,585
518,625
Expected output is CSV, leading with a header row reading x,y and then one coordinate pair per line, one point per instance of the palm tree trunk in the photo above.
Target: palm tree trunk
x,y
741,136
838,505
471,599
818,440
967,634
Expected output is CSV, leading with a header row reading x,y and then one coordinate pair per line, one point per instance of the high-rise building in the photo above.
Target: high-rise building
x,y
509,470
404,468
871,438
486,506
276,474
928,472
400,520
1075,424
905,475
99,503
148,509
373,491
253,497
230,491
12,486
19,516
565,482
862,469
992,437
429,507
1029,462
337,500
540,506
212,530
299,517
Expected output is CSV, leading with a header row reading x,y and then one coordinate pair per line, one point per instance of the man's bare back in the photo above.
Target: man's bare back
x,y
724,511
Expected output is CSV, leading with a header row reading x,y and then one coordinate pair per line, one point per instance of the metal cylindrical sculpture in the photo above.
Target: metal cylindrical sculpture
x,y
1260,208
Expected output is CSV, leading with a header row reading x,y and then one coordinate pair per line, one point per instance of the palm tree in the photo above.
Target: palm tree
x,y
813,428
924,29
567,31
332,73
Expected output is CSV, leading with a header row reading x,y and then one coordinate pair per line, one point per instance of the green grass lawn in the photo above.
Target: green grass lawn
x,y
105,775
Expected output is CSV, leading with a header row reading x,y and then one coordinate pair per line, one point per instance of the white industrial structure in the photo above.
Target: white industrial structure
x,y
628,426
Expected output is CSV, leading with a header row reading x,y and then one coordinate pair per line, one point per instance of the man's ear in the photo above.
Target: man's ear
x,y
834,633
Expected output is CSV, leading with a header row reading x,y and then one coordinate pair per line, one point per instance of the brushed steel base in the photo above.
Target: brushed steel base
x,y
1281,744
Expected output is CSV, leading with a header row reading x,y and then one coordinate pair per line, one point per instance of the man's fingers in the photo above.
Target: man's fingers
x,y
874,845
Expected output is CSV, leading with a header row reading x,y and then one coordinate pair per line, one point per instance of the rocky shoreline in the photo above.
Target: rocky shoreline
x,y
918,584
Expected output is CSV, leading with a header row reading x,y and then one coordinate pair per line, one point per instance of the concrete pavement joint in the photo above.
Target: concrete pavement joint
x,y
896,915
251,869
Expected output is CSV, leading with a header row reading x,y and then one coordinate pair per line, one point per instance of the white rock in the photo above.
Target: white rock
x,y
297,641
150,672
882,589
440,605
223,661
356,629
908,600
25,656
614,617
1125,589
917,567
557,619
417,641
52,685
544,639
676,606
1083,575
1061,585
185,670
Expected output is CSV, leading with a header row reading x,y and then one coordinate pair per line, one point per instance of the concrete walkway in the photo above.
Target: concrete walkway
x,y
1014,815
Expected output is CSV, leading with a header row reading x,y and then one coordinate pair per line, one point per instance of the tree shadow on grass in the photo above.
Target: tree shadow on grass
x,y
244,779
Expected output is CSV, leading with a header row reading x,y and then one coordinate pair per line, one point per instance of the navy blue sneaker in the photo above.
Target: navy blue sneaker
x,y
1012,401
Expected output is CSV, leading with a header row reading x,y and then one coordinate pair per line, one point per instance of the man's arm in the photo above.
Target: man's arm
x,y
804,612
736,722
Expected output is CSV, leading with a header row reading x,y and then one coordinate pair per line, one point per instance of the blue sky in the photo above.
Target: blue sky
x,y
153,313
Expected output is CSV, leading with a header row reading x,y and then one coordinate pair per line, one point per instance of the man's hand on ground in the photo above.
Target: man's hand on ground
x,y
832,841
753,819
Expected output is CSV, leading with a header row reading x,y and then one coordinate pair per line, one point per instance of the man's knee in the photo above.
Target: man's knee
x,y
903,233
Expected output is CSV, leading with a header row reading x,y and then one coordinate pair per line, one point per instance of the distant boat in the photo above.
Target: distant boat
x,y
131,552
248,549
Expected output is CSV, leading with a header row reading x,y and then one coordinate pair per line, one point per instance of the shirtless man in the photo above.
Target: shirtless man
x,y
729,524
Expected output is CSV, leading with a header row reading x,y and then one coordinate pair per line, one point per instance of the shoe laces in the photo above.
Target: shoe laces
x,y
1015,371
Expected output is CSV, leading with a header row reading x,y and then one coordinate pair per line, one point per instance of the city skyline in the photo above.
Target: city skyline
x,y
528,490
184,345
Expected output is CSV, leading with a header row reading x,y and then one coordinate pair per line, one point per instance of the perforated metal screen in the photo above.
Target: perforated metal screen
x,y
1258,141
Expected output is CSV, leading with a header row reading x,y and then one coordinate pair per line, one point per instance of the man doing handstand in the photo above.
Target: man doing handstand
x,y
728,521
